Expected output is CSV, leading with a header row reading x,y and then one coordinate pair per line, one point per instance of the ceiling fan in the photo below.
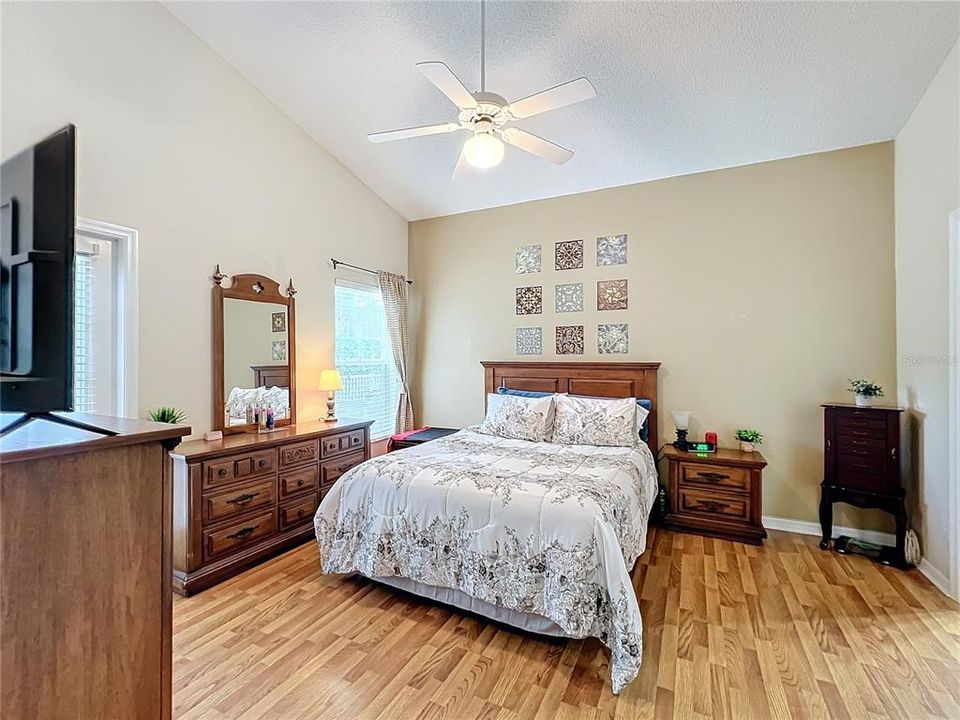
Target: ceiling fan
x,y
487,115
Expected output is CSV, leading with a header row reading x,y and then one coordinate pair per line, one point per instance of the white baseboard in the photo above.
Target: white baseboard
x,y
939,580
804,527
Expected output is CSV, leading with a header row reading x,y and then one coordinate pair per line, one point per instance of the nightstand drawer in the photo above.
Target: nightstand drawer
x,y
733,507
726,478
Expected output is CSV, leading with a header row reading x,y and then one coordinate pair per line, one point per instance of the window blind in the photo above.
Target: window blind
x,y
84,372
371,390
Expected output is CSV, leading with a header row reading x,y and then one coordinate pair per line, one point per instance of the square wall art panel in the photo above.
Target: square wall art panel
x,y
570,297
569,255
529,341
612,250
570,340
612,295
530,300
529,259
613,339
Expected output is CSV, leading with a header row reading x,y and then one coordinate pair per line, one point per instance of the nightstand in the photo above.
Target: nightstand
x,y
417,437
716,494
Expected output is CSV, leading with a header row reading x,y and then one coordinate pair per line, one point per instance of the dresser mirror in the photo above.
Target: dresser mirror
x,y
254,352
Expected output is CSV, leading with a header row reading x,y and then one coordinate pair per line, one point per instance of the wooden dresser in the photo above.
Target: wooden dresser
x,y
86,602
717,494
239,500
861,466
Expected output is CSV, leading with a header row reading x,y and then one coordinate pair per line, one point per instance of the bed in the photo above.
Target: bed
x,y
271,386
533,534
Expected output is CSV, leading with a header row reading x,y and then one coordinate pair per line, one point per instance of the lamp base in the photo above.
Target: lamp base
x,y
331,401
681,442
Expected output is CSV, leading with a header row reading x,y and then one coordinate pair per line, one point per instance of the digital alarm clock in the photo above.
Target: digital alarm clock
x,y
701,447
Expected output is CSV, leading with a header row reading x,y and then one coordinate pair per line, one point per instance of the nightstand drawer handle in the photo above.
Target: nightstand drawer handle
x,y
710,505
243,499
713,477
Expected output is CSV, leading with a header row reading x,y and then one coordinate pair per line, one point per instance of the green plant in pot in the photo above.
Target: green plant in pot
x,y
865,391
749,438
170,415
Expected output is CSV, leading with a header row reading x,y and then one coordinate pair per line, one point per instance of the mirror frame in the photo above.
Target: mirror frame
x,y
256,288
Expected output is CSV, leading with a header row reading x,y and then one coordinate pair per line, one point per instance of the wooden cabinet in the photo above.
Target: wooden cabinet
x,y
85,571
240,500
861,466
717,494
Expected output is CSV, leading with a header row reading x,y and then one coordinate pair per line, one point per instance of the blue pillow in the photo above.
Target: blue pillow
x,y
642,402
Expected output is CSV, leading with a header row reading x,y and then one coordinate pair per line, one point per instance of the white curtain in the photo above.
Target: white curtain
x,y
393,288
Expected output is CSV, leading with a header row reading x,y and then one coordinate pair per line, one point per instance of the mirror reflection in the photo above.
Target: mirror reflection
x,y
256,370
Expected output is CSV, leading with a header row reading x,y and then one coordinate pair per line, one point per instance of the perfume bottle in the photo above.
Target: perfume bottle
x,y
271,420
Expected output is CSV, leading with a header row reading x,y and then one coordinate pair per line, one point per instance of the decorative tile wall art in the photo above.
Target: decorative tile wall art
x,y
530,300
569,339
279,350
613,339
569,255
612,250
529,259
278,321
612,295
529,341
570,297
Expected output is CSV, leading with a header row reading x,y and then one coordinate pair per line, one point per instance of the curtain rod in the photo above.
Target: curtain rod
x,y
357,267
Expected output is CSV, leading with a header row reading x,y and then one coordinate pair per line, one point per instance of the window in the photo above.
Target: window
x,y
363,356
105,315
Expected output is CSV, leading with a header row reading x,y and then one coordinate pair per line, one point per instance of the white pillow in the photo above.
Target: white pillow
x,y
595,421
518,418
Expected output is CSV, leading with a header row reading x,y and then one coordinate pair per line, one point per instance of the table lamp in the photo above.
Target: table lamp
x,y
331,382
681,421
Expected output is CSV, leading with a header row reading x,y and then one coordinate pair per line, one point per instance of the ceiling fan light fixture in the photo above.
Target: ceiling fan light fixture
x,y
483,151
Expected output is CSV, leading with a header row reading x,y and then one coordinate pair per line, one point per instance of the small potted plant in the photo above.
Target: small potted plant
x,y
170,415
749,437
865,391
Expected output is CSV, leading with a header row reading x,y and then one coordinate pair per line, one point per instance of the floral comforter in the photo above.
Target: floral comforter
x,y
540,528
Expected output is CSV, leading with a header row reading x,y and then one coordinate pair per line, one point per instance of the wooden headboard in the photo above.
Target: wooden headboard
x,y
599,379
270,375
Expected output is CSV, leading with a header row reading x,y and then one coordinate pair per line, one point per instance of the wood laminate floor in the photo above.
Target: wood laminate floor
x,y
730,631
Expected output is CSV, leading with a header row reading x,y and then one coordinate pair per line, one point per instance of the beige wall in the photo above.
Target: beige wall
x,y
174,142
927,191
760,289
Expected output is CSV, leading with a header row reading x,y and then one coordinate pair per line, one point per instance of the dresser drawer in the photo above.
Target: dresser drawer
x,y
227,503
342,442
239,534
330,470
726,478
298,511
298,481
298,453
731,507
229,469
858,464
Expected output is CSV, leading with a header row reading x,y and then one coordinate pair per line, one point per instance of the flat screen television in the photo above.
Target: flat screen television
x,y
37,218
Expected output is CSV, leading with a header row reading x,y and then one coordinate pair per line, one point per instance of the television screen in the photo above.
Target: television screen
x,y
37,222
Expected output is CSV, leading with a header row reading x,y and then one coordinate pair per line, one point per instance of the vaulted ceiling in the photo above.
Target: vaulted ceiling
x,y
682,87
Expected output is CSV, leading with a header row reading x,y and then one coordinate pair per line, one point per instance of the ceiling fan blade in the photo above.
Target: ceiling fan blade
x,y
448,83
535,145
556,97
379,137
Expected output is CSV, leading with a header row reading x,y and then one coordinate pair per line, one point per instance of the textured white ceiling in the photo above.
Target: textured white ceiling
x,y
682,87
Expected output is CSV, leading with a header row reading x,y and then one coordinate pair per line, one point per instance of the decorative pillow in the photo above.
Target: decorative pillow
x,y
522,393
518,418
595,421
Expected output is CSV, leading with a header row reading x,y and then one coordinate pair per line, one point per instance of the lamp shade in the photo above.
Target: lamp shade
x,y
681,419
330,380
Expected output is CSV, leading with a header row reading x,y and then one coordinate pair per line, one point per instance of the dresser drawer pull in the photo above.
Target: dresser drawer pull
x,y
345,467
713,477
243,533
262,463
859,432
243,499
300,512
222,472
710,505
300,482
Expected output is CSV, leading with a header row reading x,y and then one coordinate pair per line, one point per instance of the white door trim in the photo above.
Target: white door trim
x,y
953,362
127,253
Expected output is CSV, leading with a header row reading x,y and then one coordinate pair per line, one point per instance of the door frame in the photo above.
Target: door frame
x,y
953,363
